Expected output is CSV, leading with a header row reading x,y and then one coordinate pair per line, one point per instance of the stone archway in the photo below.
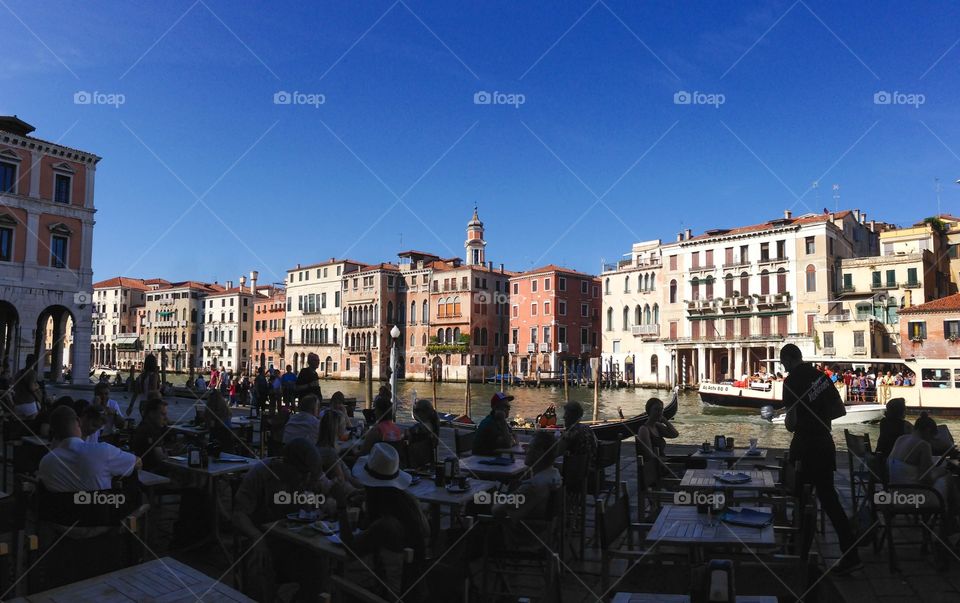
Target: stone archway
x,y
54,330
327,366
437,366
9,336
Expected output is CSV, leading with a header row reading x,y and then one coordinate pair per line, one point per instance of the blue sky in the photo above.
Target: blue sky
x,y
204,176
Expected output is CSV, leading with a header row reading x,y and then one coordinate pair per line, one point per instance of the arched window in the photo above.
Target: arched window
x,y
646,282
656,314
744,284
390,311
709,282
425,314
626,284
695,288
653,364
609,319
653,282
476,336
728,285
811,278
673,291
764,282
448,306
456,335
448,335
334,334
413,312
626,318
456,306
781,281
424,339
483,336
646,314
439,335
606,286
637,315
440,306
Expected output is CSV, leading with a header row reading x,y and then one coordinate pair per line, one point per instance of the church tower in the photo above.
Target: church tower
x,y
475,243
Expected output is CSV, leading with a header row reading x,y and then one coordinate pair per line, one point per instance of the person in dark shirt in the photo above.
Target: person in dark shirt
x,y
147,439
493,432
577,438
308,381
892,426
812,401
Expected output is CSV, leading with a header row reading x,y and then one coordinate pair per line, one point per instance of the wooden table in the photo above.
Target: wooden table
x,y
473,466
681,524
216,469
190,430
152,480
426,491
731,456
661,598
704,479
164,579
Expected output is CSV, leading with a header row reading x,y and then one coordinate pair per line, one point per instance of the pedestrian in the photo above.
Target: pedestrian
x,y
812,403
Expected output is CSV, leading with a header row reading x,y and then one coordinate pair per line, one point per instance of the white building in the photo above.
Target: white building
x,y
228,326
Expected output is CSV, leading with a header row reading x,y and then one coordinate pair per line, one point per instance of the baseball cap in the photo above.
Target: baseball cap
x,y
499,397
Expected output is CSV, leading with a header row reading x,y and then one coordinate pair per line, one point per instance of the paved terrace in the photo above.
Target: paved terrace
x,y
918,582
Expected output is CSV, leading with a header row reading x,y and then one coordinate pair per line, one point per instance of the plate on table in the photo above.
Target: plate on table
x,y
304,516
415,480
456,489
747,517
499,461
182,459
753,453
730,477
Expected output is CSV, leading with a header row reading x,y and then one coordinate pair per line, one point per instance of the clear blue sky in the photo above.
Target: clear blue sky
x,y
300,183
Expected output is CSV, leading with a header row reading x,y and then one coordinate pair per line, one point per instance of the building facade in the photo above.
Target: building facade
x,y
171,324
116,328
369,312
314,313
228,326
269,320
932,330
46,242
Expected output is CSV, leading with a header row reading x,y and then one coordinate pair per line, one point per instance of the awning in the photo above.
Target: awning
x,y
128,342
166,312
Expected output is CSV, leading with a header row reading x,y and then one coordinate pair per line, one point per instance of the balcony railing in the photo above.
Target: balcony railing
x,y
511,348
531,348
360,324
563,347
772,260
645,330
585,348
544,347
859,350
883,286
830,351
737,263
844,316
911,284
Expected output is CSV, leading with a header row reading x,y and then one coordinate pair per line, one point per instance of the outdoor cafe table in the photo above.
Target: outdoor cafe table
x,y
426,491
473,466
731,456
164,579
705,479
227,464
683,525
661,598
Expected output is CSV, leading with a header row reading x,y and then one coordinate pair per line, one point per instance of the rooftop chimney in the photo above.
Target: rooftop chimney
x,y
787,214
243,281
873,226
490,266
229,285
856,215
501,268
863,218
253,281
833,217
679,236
687,234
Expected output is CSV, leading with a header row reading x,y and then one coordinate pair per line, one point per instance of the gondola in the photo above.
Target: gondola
x,y
606,430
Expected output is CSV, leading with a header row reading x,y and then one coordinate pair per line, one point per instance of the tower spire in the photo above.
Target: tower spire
x,y
474,245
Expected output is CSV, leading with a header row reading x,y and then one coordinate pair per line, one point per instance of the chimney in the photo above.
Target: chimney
x,y
863,218
873,226
253,281
679,236
787,214
243,281
856,215
687,234
907,298
490,266
501,268
229,285
833,217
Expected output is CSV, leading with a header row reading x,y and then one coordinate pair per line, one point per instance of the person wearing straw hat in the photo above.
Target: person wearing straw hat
x,y
493,432
394,521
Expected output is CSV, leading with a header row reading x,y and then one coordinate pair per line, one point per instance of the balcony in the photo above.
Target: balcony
x,y
511,348
844,316
830,351
360,324
859,350
883,287
846,289
701,306
767,261
563,348
704,268
737,263
911,285
544,347
585,348
531,348
645,330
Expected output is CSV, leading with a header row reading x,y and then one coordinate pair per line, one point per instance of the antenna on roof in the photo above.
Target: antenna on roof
x,y
936,187
836,197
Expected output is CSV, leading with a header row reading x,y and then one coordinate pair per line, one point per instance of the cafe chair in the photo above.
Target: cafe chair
x,y
360,582
463,442
652,492
923,508
421,454
522,549
608,456
864,472
619,537
574,472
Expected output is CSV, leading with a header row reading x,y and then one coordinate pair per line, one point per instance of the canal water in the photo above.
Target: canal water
x,y
695,421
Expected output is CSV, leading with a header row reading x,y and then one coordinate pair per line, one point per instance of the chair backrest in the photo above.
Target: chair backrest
x,y
574,472
614,518
100,508
421,454
648,474
608,453
857,445
463,442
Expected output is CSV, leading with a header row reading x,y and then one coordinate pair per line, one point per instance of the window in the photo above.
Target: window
x,y
876,279
848,282
61,188
695,259
583,288
673,290
810,245
764,252
546,334
546,284
695,288
917,330
533,285
708,258
951,329
935,377
6,244
858,339
609,319
516,288
744,284
673,262
546,307
781,250
561,334
58,251
626,284
516,311
781,281
584,336
562,308
764,283
811,279
912,277
533,309
562,283
8,177
744,254
584,310
533,334
891,278
728,285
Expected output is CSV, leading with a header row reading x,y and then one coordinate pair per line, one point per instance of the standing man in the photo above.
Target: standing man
x,y
812,402
308,381
261,390
288,384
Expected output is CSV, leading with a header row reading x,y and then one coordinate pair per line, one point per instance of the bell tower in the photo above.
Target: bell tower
x,y
475,244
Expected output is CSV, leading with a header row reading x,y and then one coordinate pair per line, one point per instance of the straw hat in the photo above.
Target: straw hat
x,y
381,468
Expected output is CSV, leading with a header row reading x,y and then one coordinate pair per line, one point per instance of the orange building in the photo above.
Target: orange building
x,y
269,324
554,318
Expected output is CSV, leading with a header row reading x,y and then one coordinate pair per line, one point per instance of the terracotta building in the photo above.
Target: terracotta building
x,y
269,327
931,330
554,319
46,242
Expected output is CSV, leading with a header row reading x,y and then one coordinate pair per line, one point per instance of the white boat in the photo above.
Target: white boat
x,y
856,413
937,386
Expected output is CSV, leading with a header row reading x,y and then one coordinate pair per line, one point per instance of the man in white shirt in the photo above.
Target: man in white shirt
x,y
304,423
74,465
111,408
